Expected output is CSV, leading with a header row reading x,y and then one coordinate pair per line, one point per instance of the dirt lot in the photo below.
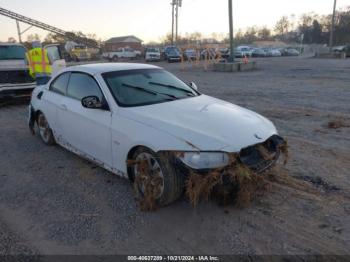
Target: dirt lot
x,y
53,202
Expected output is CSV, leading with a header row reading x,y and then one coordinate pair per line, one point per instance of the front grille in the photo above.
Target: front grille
x,y
254,158
15,77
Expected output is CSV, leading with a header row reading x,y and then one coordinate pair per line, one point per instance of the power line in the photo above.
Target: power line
x,y
32,22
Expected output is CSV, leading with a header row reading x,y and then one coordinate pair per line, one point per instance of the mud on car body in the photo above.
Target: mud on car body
x,y
141,122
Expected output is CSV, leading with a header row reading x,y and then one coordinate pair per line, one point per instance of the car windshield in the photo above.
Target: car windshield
x,y
12,53
171,49
153,50
146,86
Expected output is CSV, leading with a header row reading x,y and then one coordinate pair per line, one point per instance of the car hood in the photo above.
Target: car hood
x,y
205,123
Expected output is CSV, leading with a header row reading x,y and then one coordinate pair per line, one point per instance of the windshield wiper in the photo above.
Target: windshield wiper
x,y
146,90
171,86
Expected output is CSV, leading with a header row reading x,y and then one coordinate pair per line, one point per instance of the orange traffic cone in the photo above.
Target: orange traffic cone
x,y
245,60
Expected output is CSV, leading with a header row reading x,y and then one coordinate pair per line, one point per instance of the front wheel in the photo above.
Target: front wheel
x,y
45,130
155,174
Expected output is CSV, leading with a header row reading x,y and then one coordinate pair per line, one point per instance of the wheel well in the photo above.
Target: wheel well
x,y
37,114
129,157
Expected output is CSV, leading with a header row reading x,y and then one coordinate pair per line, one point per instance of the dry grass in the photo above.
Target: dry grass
x,y
284,151
246,184
149,181
200,186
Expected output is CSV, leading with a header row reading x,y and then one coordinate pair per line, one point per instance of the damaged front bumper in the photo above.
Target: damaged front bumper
x,y
258,158
261,157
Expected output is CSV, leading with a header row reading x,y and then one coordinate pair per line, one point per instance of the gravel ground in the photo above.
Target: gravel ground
x,y
54,202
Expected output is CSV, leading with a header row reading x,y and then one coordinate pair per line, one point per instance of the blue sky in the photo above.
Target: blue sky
x,y
151,19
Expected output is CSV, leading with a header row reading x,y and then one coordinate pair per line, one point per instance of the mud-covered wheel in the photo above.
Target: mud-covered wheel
x,y
45,130
171,184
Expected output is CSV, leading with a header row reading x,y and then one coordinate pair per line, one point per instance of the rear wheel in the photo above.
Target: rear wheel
x,y
115,58
170,184
45,130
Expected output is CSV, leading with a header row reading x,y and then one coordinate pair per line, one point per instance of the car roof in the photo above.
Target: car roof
x,y
108,67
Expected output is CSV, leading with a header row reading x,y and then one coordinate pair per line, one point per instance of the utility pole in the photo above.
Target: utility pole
x,y
172,21
175,19
232,51
19,32
332,28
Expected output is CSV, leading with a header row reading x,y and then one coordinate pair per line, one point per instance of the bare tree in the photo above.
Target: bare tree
x,y
11,40
264,33
33,37
282,26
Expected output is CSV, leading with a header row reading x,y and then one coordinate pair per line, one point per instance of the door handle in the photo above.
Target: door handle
x,y
64,107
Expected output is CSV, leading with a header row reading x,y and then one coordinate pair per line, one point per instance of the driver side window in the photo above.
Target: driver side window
x,y
82,85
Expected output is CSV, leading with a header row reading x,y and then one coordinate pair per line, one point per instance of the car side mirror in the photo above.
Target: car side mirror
x,y
194,86
91,102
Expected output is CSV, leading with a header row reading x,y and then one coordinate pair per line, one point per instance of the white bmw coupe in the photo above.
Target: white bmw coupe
x,y
118,112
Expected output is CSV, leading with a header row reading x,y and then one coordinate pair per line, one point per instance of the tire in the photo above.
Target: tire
x,y
45,131
115,58
173,183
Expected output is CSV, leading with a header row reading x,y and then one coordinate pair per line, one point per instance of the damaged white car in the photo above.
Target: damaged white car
x,y
115,114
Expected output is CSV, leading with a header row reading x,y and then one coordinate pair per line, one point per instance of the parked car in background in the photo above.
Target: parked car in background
x,y
289,52
223,52
152,54
118,113
339,49
344,48
190,54
272,52
242,51
15,81
122,53
258,52
170,49
208,53
172,54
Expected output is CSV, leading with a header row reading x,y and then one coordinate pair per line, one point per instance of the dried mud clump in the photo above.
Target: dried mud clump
x,y
284,150
147,185
336,124
246,184
200,186
235,183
